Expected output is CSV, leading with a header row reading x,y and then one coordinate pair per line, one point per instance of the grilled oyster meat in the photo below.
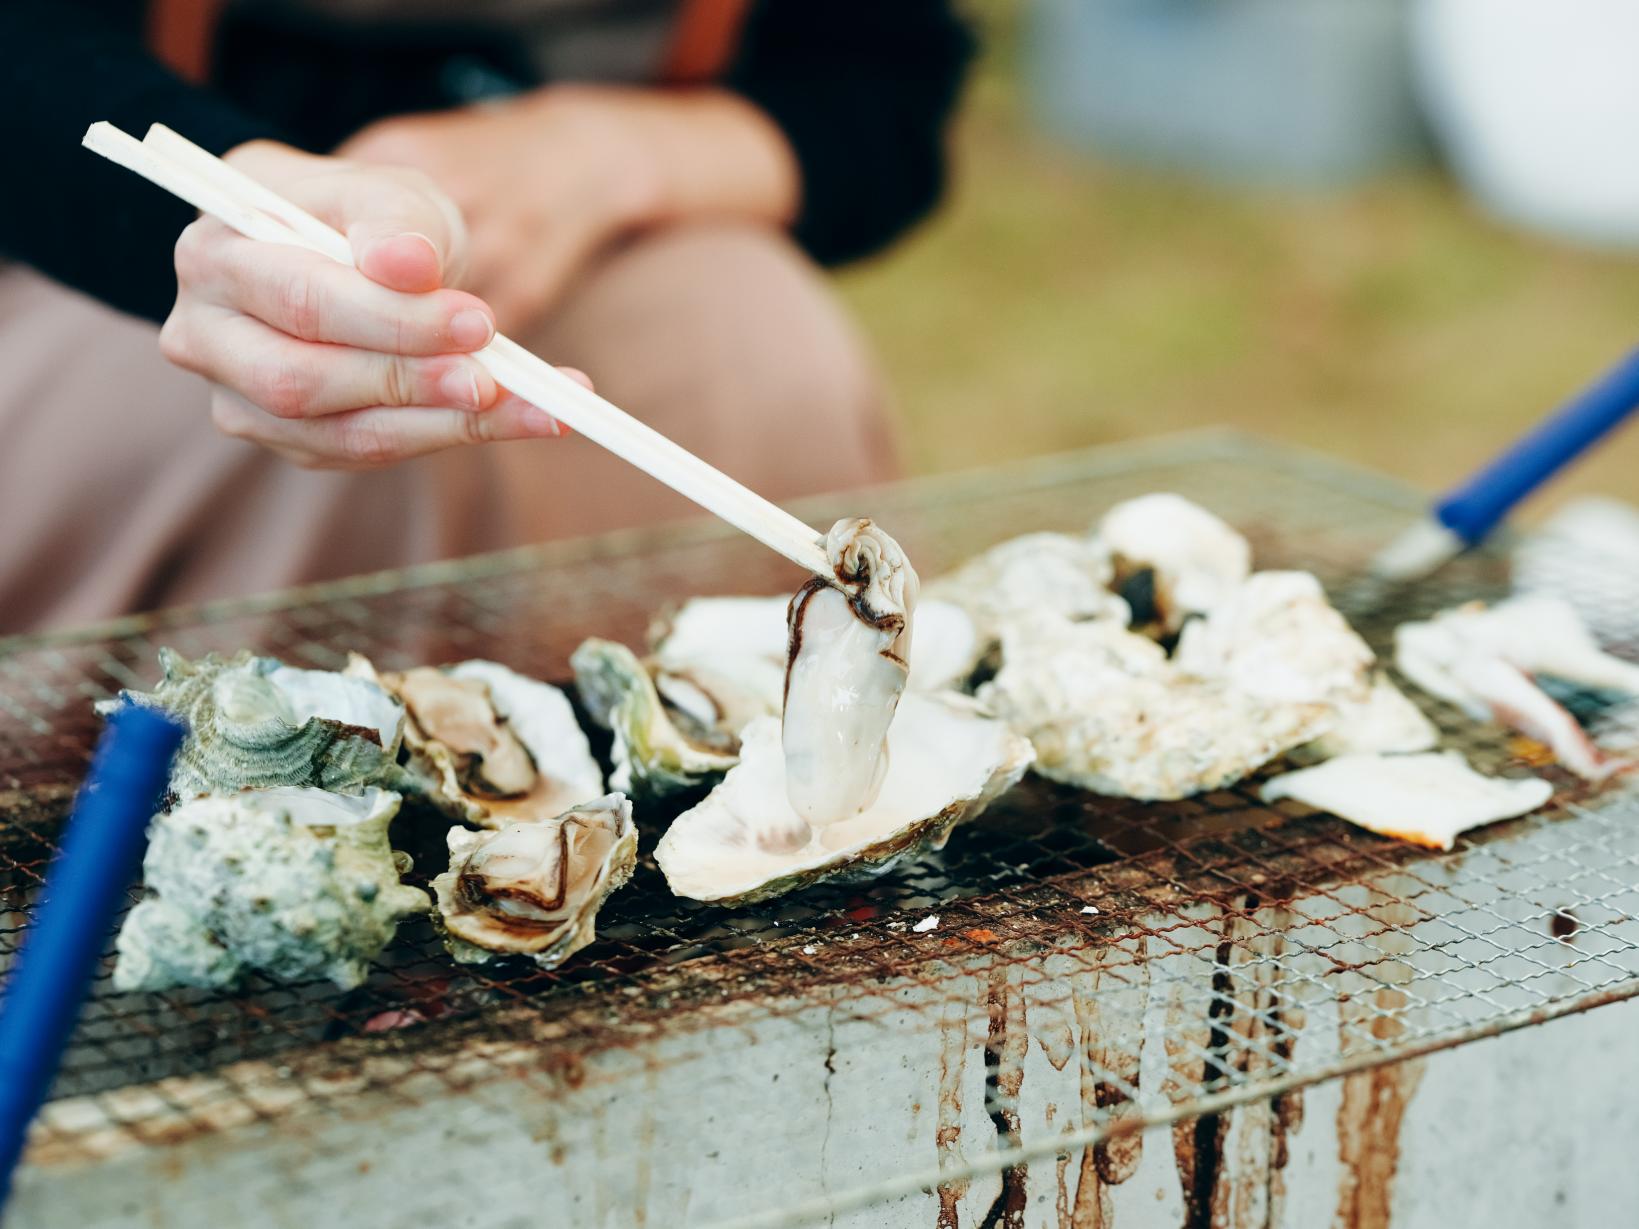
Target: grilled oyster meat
x,y
847,666
534,889
256,723
292,883
948,760
491,745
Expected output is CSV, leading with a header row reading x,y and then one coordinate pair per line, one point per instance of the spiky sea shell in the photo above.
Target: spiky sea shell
x,y
256,723
292,883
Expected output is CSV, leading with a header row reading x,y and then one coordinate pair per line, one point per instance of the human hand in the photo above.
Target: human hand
x,y
544,182
334,367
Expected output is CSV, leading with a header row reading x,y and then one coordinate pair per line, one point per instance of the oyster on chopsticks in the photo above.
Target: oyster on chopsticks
x,y
1107,711
255,723
947,760
1427,798
847,665
490,745
534,889
292,883
1485,661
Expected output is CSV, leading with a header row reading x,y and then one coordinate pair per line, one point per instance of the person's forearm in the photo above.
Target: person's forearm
x,y
710,153
73,216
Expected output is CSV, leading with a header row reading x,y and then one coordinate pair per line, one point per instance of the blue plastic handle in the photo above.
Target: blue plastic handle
x,y
1476,507
102,847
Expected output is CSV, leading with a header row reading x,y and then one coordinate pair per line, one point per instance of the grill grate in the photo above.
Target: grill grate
x,y
1186,956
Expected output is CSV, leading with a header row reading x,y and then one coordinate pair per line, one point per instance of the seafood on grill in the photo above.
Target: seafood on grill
x,y
1276,637
1171,559
292,883
1427,798
847,665
489,745
715,664
1063,573
534,889
255,723
1485,661
947,760
1385,722
659,748
1108,711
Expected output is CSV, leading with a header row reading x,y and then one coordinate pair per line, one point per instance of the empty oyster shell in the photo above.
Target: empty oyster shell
x,y
495,745
256,723
291,883
1107,711
658,750
948,760
534,889
1427,799
1172,558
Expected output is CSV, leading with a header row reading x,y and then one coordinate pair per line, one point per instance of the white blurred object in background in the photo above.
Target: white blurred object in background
x,y
1537,105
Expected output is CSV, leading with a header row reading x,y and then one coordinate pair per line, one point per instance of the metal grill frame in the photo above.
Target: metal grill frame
x,y
1230,917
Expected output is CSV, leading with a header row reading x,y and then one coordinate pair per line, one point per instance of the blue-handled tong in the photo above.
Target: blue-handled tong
x,y
1463,517
102,847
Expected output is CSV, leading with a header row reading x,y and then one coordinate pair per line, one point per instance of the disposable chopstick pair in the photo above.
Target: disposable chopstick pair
x,y
256,211
101,848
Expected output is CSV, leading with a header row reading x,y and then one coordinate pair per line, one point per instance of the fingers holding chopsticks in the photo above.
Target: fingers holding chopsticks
x,y
381,435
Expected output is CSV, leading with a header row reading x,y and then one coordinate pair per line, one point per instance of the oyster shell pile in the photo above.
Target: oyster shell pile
x,y
534,889
947,761
255,722
293,883
1107,711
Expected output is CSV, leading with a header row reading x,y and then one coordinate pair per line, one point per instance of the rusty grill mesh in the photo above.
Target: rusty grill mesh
x,y
1162,961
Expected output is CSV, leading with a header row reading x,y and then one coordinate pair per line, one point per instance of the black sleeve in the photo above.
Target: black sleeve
x,y
72,215
862,90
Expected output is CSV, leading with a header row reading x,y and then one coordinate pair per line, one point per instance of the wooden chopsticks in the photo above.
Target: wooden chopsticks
x,y
254,210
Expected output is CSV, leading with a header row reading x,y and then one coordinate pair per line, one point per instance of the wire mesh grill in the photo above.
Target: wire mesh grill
x,y
1186,956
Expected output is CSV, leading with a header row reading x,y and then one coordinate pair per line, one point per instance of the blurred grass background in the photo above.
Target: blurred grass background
x,y
1057,302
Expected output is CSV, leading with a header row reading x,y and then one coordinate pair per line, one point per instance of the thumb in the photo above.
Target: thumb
x,y
405,233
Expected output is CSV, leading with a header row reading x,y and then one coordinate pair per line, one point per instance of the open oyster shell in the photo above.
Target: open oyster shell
x,y
491,745
948,760
1107,711
291,883
256,723
534,889
716,664
657,750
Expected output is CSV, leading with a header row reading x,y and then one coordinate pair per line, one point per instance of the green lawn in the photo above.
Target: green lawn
x,y
1058,302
